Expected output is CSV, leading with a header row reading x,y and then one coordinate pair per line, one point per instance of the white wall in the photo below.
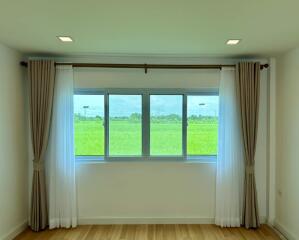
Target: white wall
x,y
145,192
287,113
13,146
128,78
159,191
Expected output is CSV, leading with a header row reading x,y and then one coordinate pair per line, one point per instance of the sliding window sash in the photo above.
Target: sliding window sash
x,y
145,94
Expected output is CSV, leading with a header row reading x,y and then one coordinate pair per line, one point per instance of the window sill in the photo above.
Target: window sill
x,y
151,159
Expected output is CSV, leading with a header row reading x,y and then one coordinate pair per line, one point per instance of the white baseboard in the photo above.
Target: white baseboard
x,y
15,232
133,220
283,230
263,220
149,220
279,234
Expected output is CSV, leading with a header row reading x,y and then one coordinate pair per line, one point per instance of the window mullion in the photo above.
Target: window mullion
x,y
185,123
145,125
106,125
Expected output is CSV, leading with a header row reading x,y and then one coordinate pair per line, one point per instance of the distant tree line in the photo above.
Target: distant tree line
x,y
80,117
196,118
136,117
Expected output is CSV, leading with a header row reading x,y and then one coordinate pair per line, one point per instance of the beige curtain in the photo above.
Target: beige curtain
x,y
41,88
248,89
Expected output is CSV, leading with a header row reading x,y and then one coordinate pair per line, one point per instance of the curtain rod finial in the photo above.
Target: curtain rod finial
x,y
23,63
264,66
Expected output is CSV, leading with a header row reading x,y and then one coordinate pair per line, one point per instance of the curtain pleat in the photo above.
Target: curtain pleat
x,y
248,90
230,159
60,155
41,88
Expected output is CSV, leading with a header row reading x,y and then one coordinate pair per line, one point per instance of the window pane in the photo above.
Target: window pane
x,y
202,131
89,124
166,124
125,133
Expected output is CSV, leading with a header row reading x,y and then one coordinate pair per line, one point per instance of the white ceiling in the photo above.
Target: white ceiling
x,y
175,27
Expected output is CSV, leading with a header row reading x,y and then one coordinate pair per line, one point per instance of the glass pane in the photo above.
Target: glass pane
x,y
202,131
166,124
125,133
89,124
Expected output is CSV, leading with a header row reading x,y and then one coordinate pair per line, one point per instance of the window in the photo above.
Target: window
x,y
146,124
202,128
89,125
125,136
166,124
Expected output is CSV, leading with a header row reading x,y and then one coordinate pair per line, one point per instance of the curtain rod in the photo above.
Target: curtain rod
x,y
144,66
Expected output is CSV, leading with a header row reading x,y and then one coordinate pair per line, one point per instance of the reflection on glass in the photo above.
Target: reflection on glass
x,y
89,124
202,130
166,124
125,127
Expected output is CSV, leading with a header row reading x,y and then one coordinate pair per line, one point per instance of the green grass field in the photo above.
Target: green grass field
x,y
125,137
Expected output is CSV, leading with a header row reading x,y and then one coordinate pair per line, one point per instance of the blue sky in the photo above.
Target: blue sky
x,y
92,105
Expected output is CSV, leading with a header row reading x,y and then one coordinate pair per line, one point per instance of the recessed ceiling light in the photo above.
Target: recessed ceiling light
x,y
65,39
233,41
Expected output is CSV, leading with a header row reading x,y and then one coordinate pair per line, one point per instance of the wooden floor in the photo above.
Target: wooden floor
x,y
151,232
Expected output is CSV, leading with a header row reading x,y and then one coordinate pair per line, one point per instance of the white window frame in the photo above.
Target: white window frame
x,y
145,94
